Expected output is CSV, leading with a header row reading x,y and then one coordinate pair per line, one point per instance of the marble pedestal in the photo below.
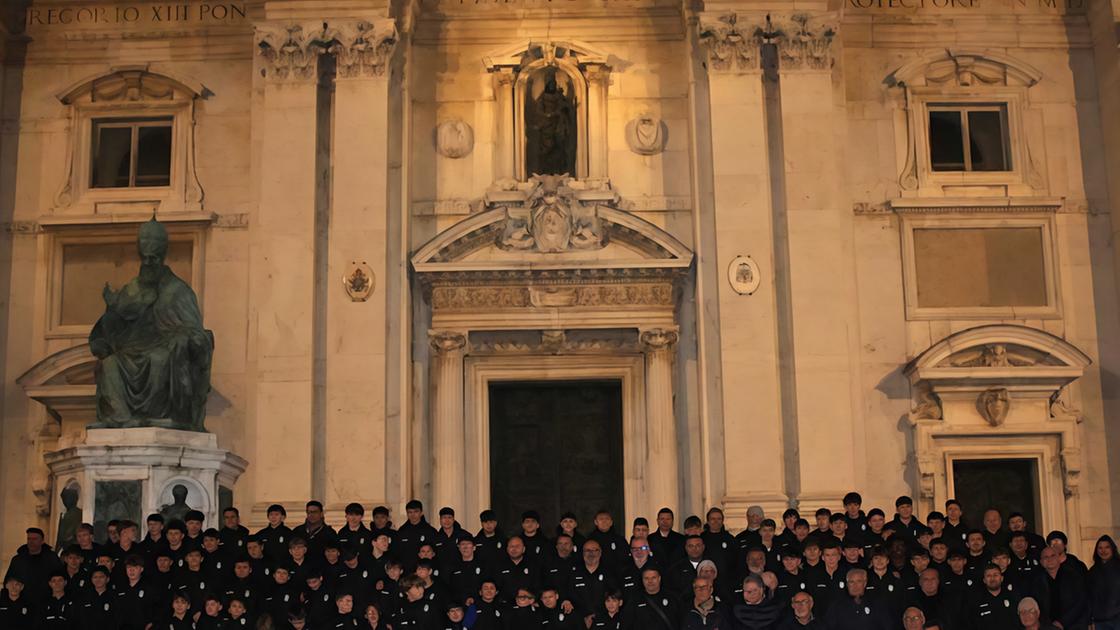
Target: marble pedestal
x,y
130,473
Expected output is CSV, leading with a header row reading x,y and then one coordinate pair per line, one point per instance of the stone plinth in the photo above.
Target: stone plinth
x,y
130,473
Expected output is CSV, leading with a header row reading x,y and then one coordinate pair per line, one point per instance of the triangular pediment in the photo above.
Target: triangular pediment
x,y
552,223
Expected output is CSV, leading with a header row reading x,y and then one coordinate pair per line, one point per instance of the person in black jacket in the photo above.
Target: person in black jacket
x,y
758,610
858,611
1104,584
275,536
33,563
1060,590
992,607
57,611
414,532
234,535
704,611
651,607
97,608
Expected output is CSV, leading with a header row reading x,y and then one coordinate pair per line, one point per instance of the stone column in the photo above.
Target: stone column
x,y
357,237
280,344
740,223
598,78
447,431
504,167
823,301
662,461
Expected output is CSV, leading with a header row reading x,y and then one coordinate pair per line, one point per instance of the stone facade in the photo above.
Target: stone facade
x,y
755,241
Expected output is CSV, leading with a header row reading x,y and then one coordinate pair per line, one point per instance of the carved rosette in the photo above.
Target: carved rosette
x,y
446,341
731,44
290,51
804,41
363,48
658,339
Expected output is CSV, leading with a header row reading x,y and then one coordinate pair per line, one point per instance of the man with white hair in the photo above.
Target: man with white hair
x,y
857,611
750,537
913,619
1031,617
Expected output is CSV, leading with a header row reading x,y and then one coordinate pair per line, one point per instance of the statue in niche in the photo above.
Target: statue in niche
x,y
153,354
178,507
71,516
550,117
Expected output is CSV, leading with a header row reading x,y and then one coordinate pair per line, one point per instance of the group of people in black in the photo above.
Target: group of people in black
x,y
849,570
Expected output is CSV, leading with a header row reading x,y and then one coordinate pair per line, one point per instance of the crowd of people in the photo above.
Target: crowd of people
x,y
849,570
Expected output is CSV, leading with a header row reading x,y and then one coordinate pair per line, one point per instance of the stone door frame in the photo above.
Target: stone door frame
x,y
627,369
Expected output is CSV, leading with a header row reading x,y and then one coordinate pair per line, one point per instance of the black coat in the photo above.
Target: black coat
x,y
1104,584
1072,606
33,570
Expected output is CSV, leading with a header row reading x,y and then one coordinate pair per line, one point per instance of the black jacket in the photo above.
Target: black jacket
x,y
1071,607
34,570
1104,584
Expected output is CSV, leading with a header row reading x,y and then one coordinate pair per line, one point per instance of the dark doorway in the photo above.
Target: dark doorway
x,y
555,446
1008,485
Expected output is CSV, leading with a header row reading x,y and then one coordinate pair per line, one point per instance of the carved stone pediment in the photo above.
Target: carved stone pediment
x,y
133,83
964,68
995,364
999,355
552,213
552,222
63,381
552,247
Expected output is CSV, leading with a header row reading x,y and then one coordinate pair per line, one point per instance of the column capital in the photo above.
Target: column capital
x,y
364,48
505,75
597,73
732,41
447,341
654,339
805,41
290,50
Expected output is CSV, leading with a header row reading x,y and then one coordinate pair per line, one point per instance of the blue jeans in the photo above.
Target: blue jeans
x,y
1107,625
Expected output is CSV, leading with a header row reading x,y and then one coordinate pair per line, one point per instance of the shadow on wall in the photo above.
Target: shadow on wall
x,y
1094,74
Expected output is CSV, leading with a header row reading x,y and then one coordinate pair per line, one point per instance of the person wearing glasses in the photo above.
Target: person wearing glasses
x,y
913,619
631,576
524,615
1031,617
705,612
803,619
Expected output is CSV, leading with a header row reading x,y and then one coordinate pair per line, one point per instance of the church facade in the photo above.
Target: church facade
x,y
571,255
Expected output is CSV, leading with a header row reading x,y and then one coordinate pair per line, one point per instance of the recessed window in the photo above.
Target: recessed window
x,y
969,138
132,153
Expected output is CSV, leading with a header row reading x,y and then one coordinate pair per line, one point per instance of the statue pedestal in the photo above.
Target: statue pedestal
x,y
130,473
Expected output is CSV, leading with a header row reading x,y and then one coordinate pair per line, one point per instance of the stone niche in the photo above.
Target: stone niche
x,y
95,475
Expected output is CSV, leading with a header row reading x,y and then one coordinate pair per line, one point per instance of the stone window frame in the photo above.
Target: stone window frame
x,y
1043,221
957,77
58,237
127,93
